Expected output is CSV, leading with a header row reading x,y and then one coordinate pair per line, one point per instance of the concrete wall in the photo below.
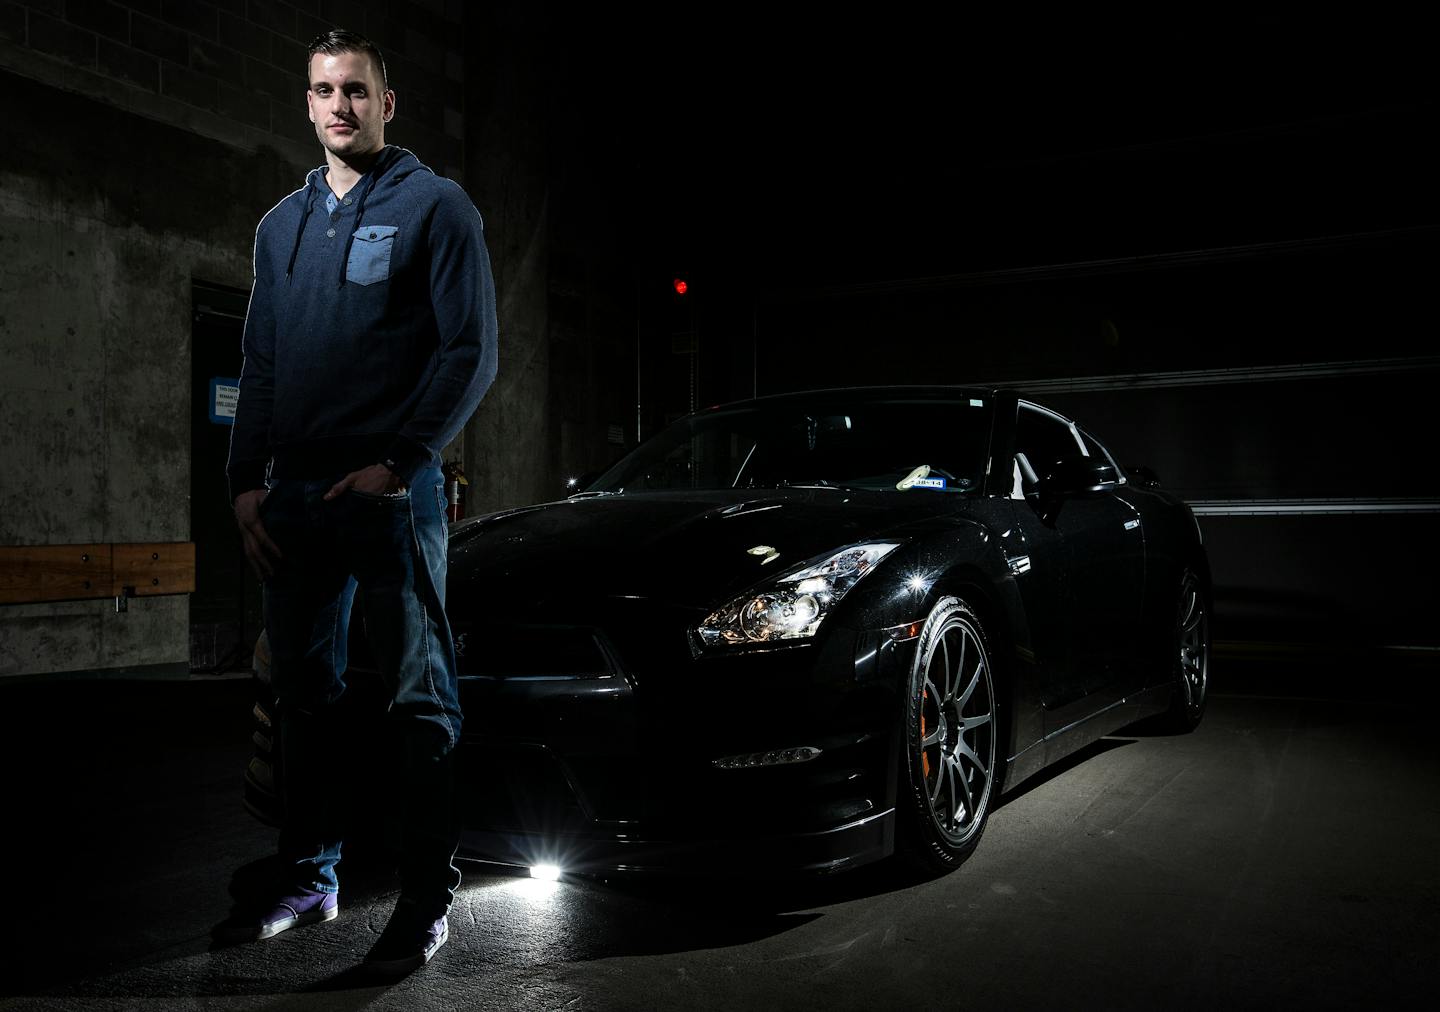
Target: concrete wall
x,y
562,242
103,225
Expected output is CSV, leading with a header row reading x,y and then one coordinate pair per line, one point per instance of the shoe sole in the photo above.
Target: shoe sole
x,y
286,923
393,967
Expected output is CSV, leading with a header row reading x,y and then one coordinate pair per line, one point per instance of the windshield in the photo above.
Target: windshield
x,y
915,446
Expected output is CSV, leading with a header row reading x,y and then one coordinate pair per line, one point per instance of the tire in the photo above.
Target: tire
x,y
950,769
1189,657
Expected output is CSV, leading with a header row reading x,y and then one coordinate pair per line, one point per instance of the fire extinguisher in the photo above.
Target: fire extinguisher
x,y
455,483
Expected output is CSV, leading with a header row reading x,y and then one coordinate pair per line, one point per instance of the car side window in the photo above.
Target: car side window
x,y
1045,439
697,463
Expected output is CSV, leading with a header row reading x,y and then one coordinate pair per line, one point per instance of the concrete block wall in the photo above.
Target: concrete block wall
x,y
233,70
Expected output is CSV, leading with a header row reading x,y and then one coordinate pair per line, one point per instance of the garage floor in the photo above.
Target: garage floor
x,y
1287,854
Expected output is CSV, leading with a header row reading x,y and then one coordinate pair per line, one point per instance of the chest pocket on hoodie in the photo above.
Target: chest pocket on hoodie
x,y
370,254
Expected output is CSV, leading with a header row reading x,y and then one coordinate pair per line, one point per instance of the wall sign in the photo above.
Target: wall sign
x,y
224,395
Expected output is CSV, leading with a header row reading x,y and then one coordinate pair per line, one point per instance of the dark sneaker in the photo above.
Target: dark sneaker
x,y
300,907
408,941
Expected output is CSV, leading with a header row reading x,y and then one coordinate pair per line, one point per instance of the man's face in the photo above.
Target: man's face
x,y
348,104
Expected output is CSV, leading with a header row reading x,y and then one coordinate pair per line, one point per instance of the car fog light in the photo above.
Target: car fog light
x,y
780,757
545,872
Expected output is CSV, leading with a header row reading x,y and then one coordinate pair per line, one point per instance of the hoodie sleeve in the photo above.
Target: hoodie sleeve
x,y
462,293
250,437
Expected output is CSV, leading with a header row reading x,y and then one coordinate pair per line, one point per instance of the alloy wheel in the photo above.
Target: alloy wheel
x,y
957,729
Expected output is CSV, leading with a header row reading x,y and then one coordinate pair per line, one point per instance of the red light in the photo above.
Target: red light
x,y
680,286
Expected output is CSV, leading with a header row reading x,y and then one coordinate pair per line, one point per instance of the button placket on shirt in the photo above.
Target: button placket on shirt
x,y
334,214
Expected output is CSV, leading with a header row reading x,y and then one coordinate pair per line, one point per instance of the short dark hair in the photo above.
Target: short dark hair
x,y
337,41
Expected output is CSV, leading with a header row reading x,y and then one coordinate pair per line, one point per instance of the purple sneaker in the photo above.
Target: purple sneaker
x,y
294,909
408,941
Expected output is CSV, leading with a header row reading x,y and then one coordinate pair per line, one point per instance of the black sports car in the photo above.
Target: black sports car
x,y
802,632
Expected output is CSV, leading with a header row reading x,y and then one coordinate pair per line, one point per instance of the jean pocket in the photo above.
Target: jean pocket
x,y
370,254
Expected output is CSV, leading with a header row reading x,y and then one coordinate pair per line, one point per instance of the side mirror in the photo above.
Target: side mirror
x,y
1076,476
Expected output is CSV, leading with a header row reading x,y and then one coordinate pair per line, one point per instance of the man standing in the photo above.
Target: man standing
x,y
369,341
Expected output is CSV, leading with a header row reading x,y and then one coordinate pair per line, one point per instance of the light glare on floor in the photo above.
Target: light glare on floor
x,y
545,872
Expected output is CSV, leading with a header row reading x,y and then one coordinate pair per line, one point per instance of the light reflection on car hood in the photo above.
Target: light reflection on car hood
x,y
683,548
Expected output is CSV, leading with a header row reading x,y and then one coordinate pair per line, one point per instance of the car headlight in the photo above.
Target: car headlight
x,y
792,606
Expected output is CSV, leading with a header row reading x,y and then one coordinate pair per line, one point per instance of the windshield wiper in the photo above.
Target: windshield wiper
x,y
815,483
594,494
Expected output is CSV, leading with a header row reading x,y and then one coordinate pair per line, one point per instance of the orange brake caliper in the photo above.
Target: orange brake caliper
x,y
924,755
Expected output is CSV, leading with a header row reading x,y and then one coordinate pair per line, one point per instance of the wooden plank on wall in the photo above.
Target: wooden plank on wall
x,y
167,568
34,573
30,574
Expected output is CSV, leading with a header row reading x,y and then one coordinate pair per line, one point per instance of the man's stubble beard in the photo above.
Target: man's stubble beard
x,y
360,144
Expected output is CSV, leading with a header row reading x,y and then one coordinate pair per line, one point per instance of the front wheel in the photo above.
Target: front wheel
x,y
951,741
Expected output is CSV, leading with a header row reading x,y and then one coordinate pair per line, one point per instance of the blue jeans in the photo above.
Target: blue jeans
x,y
391,550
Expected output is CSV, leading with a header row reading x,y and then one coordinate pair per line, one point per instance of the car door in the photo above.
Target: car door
x,y
1116,551
1096,537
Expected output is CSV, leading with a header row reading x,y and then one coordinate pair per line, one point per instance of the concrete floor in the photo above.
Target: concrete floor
x,y
1284,855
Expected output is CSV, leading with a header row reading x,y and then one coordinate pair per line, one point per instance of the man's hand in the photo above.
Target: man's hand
x,y
260,551
377,479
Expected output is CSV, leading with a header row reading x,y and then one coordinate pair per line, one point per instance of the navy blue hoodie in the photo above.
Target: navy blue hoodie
x,y
371,333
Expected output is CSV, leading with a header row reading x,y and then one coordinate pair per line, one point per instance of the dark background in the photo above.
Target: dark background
x,y
927,195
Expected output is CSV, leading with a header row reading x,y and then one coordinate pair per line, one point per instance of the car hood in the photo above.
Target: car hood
x,y
692,549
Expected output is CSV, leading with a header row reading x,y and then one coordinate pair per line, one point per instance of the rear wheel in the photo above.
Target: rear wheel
x,y
951,741
1191,658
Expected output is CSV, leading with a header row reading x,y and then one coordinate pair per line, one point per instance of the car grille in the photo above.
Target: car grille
x,y
532,651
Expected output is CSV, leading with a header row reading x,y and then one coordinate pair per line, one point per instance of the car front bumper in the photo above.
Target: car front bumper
x,y
621,766
781,760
